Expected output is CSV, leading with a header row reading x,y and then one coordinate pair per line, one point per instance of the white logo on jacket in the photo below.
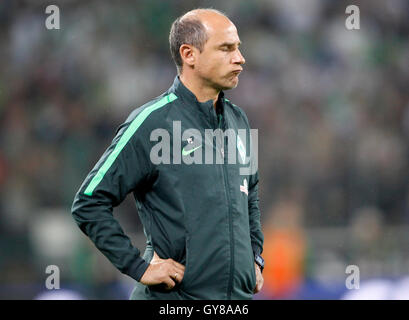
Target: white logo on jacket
x,y
244,187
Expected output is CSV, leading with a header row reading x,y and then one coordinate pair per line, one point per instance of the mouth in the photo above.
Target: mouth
x,y
237,72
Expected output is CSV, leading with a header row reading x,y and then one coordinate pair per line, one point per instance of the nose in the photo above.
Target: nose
x,y
238,58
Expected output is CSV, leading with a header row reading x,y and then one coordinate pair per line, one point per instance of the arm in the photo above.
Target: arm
x,y
257,238
123,166
256,234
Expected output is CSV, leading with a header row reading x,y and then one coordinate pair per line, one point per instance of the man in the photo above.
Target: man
x,y
202,221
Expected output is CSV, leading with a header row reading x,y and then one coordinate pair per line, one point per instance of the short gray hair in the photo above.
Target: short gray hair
x,y
186,30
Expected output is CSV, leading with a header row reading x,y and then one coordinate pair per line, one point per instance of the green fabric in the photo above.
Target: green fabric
x,y
195,214
124,139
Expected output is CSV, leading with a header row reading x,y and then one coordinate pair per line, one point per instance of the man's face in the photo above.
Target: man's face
x,y
220,61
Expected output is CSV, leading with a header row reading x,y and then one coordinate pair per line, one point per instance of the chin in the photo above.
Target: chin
x,y
233,85
230,85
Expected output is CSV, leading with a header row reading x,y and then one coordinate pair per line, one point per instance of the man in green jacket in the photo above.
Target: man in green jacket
x,y
201,217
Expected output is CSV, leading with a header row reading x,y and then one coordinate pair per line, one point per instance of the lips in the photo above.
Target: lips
x,y
237,72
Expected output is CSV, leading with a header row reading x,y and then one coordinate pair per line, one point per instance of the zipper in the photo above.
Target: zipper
x,y
219,120
219,125
226,184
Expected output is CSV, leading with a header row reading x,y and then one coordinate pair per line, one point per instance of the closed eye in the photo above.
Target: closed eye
x,y
229,46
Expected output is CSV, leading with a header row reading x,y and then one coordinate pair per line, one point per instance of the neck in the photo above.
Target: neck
x,y
202,92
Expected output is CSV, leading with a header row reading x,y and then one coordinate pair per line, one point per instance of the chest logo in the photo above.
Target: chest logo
x,y
244,187
187,152
189,143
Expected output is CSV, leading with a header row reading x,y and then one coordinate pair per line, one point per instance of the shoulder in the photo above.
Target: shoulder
x,y
150,115
152,109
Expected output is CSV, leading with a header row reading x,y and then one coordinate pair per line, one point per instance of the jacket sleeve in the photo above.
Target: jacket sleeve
x,y
122,168
256,233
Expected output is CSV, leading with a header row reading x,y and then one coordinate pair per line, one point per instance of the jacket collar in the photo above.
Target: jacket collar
x,y
188,96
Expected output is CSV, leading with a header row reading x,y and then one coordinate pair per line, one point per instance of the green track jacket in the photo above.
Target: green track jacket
x,y
205,216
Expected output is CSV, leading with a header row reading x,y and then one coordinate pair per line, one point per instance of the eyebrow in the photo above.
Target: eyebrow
x,y
229,44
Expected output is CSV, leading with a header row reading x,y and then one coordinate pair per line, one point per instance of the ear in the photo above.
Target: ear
x,y
188,54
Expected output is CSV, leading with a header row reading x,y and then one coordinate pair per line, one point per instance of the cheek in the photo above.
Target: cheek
x,y
219,65
206,66
217,59
202,68
213,65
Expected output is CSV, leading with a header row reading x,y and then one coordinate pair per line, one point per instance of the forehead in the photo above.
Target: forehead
x,y
221,31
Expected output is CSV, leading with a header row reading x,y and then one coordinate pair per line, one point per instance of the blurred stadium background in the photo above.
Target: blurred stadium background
x,y
331,106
